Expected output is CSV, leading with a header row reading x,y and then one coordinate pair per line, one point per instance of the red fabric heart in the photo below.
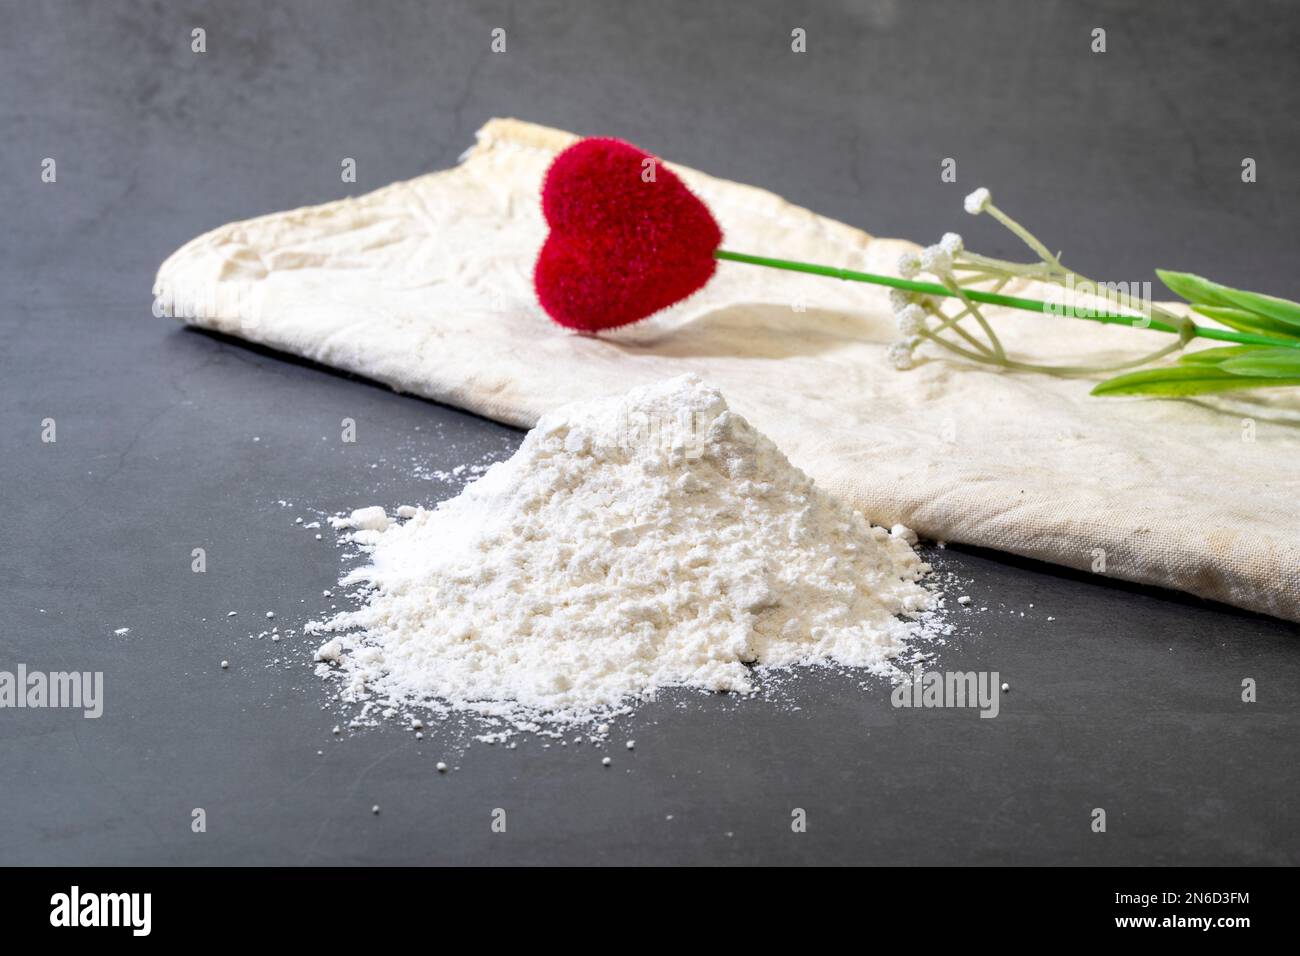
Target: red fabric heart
x,y
620,248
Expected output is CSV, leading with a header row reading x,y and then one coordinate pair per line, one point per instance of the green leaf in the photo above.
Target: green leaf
x,y
1265,363
1194,288
1280,310
1244,321
1183,380
1215,356
1202,292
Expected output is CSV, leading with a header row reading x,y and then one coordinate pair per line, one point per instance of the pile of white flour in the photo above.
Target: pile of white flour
x,y
631,544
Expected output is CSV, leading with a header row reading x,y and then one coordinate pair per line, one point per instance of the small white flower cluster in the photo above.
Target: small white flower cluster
x,y
911,319
978,201
909,265
910,308
936,259
910,316
900,356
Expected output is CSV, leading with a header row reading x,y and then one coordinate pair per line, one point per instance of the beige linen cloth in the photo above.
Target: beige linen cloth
x,y
426,286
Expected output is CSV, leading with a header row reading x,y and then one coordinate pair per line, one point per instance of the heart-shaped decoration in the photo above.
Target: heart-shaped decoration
x,y
627,237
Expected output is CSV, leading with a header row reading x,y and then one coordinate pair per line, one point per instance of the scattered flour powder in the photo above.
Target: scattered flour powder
x,y
631,544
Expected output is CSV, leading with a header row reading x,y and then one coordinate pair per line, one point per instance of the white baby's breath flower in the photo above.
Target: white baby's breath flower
x,y
911,320
952,242
899,299
978,201
936,259
909,265
899,354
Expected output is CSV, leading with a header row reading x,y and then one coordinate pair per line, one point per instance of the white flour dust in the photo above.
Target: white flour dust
x,y
631,544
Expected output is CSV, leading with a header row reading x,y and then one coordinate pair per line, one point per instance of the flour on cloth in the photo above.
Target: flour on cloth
x,y
426,286
631,544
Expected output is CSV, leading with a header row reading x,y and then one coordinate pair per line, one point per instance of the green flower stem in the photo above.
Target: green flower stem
x,y
954,289
1007,301
1025,235
951,322
933,336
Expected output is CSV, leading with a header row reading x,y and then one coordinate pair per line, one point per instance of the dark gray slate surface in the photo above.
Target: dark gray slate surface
x,y
1129,700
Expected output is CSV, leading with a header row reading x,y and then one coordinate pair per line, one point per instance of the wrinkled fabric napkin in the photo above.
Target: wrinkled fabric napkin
x,y
426,286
